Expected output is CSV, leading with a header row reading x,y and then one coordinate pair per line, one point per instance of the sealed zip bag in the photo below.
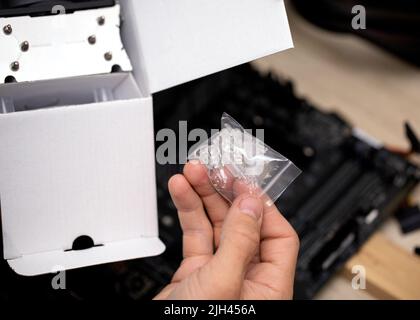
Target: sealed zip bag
x,y
237,163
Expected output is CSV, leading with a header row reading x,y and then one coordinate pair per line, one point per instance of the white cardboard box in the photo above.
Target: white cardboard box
x,y
87,165
174,41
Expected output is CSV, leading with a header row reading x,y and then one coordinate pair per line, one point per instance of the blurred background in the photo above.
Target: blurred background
x,y
344,105
372,79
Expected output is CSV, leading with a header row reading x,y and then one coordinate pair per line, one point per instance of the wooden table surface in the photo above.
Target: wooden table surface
x,y
372,89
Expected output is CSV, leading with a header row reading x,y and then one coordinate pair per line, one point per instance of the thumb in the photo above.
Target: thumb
x,y
240,236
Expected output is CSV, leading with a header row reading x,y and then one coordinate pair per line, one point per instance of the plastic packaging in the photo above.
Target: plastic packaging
x,y
237,162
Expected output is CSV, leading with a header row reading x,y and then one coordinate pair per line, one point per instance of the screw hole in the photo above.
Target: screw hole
x,y
10,79
116,68
83,243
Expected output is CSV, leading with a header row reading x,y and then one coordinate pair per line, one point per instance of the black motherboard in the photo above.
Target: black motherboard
x,y
348,187
13,8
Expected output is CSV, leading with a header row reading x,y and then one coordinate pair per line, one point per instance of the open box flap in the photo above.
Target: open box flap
x,y
174,41
52,261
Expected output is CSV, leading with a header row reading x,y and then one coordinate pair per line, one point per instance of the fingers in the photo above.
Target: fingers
x,y
216,206
240,237
276,228
164,294
189,266
279,248
196,227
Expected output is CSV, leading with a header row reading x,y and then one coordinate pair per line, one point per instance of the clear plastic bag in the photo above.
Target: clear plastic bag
x,y
238,163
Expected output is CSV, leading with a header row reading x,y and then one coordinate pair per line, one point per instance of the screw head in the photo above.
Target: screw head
x,y
8,29
92,40
108,56
101,20
15,66
24,46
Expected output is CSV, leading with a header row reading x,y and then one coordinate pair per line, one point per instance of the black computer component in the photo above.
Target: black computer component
x,y
347,188
11,8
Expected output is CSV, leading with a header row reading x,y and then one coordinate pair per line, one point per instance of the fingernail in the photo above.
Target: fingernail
x,y
251,206
194,162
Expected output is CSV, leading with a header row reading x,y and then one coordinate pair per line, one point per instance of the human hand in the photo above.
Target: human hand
x,y
244,251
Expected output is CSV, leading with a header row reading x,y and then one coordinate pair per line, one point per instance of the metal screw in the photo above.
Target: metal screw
x,y
8,29
108,56
92,39
15,66
24,46
101,20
